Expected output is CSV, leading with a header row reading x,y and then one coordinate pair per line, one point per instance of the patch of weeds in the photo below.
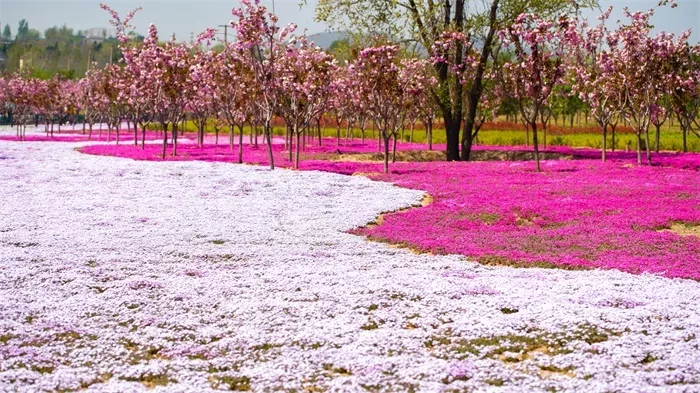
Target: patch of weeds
x,y
141,355
342,371
370,325
648,358
217,242
68,336
91,263
436,341
101,378
372,307
197,356
4,338
223,368
98,288
495,382
397,296
495,260
518,347
265,346
554,369
507,310
151,380
43,369
236,384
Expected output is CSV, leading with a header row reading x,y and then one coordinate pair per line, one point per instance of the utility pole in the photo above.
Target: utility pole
x,y
225,34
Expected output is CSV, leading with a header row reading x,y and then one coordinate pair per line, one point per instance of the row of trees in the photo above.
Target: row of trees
x,y
267,71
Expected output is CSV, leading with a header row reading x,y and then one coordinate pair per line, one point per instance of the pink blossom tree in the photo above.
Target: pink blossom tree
x,y
258,40
595,79
305,77
642,63
388,88
685,89
538,66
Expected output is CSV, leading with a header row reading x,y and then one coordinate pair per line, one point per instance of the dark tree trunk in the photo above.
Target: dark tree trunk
x,y
240,144
605,142
386,153
452,134
174,138
658,136
165,141
267,131
477,85
639,147
612,130
429,134
296,158
648,145
534,142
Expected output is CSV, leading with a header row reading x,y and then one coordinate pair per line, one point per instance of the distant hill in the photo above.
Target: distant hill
x,y
325,39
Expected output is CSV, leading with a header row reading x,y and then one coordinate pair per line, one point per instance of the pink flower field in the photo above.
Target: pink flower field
x,y
578,213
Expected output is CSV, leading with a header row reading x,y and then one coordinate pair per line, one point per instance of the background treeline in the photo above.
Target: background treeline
x,y
58,51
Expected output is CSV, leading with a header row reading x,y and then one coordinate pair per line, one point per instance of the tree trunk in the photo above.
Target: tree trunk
x,y
165,144
477,87
386,152
255,141
467,148
612,129
527,136
393,159
605,141
136,134
658,135
240,144
266,131
174,138
639,146
534,142
290,133
298,135
452,134
338,135
648,147
429,133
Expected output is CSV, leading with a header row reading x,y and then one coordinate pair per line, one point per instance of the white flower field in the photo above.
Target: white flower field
x,y
120,275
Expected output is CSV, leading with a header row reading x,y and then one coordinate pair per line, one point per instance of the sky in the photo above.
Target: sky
x,y
186,17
